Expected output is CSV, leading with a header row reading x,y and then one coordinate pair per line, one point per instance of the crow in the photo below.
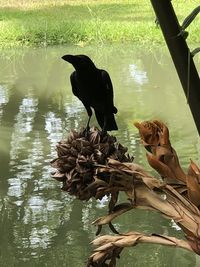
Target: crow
x,y
94,88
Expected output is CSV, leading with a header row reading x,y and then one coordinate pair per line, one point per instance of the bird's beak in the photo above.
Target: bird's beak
x,y
69,58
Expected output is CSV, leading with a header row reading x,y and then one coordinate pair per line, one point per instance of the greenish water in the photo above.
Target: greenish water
x,y
42,226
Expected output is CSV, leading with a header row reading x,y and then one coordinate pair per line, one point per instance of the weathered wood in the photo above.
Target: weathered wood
x,y
180,54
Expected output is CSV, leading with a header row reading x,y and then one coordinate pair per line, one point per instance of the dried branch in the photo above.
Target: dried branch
x,y
93,166
109,247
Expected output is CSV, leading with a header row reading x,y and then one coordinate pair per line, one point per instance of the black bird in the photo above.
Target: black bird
x,y
94,88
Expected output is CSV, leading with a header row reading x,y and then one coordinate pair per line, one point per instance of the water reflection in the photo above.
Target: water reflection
x,y
42,226
139,76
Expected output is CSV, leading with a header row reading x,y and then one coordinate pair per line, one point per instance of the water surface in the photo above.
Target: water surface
x,y
42,226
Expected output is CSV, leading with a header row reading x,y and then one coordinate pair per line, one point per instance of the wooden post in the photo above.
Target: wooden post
x,y
180,54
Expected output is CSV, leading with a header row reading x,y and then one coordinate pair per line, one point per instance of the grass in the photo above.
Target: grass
x,y
50,22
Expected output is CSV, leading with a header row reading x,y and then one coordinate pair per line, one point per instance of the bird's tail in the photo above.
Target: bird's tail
x,y
110,121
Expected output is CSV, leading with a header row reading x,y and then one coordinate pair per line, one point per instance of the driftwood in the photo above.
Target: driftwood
x,y
95,166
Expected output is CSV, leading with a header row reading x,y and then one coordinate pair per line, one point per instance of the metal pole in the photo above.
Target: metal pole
x,y
180,54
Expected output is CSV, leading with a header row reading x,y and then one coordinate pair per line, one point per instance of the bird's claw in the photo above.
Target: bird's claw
x,y
86,132
103,134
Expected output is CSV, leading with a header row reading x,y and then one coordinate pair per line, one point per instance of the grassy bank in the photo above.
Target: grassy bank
x,y
50,22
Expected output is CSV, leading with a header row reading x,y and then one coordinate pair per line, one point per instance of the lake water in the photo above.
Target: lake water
x,y
42,226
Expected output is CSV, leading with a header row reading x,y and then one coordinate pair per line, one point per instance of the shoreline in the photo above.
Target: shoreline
x,y
85,23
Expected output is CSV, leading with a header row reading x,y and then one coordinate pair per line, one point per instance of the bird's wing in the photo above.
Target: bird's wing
x,y
76,92
73,81
109,90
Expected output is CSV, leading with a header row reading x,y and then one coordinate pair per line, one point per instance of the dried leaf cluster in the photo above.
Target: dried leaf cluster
x,y
111,174
163,158
78,158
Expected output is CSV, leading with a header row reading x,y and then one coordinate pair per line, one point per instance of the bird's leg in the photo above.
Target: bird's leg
x,y
89,112
88,124
104,131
